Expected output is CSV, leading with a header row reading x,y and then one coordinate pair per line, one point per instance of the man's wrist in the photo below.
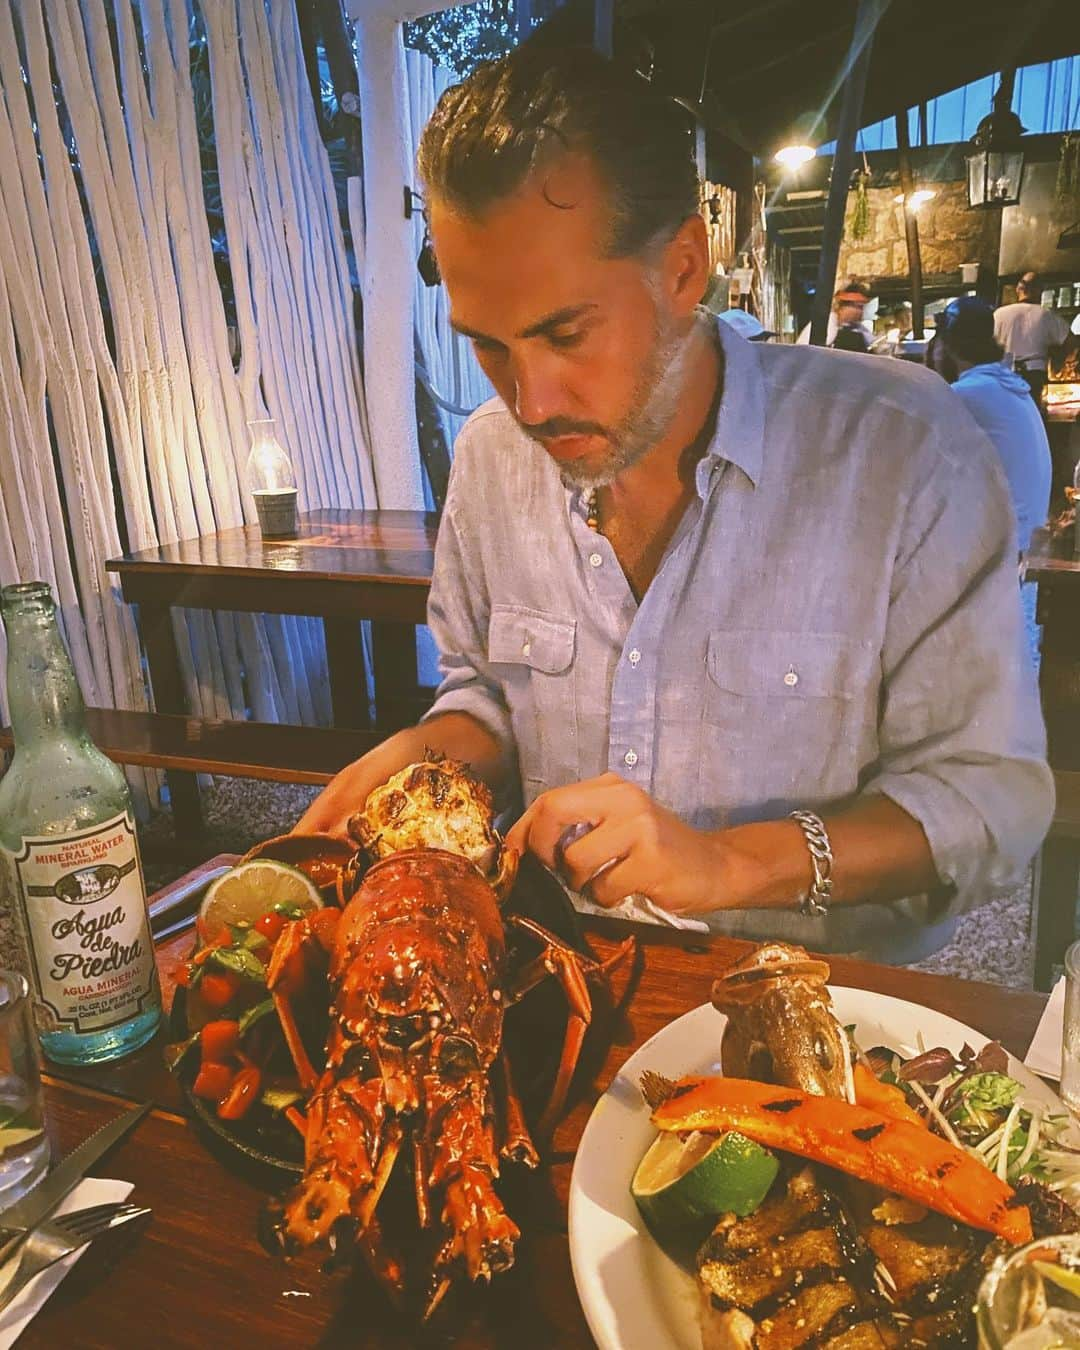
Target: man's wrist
x,y
772,863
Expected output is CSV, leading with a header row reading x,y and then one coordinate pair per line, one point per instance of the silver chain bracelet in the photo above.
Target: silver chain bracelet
x,y
815,902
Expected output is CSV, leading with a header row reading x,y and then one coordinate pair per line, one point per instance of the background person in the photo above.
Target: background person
x,y
965,352
846,320
1030,334
746,325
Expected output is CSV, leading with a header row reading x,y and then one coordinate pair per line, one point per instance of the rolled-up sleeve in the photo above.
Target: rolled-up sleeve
x,y
962,741
458,612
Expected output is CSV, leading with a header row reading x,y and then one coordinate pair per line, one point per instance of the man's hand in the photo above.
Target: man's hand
x,y
881,852
650,850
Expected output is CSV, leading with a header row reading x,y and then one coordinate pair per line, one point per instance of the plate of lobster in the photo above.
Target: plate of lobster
x,y
907,1151
389,1052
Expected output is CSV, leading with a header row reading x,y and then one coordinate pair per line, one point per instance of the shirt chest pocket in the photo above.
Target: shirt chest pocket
x,y
789,716
532,655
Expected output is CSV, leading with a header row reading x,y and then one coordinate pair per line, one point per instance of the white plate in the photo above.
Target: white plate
x,y
634,1295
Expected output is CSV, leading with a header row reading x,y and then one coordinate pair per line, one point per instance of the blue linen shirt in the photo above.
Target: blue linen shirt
x,y
1000,401
836,615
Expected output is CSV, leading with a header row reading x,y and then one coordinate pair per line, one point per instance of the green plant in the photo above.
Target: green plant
x,y
1068,174
860,213
460,38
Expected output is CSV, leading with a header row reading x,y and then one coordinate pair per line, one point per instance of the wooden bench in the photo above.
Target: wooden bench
x,y
1057,878
284,754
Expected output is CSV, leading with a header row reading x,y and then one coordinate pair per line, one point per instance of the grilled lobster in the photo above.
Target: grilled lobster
x,y
415,1064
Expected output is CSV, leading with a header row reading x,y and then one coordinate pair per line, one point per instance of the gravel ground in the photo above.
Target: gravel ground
x,y
992,943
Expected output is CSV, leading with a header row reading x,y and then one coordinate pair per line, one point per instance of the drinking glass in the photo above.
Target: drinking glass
x,y
24,1147
1070,1036
1030,1298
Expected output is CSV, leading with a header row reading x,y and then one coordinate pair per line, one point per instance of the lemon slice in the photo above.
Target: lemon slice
x,y
252,889
680,1182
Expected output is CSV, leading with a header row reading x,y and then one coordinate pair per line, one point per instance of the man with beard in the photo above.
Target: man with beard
x,y
686,585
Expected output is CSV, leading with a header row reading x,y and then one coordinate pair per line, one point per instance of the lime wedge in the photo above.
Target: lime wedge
x,y
680,1181
252,889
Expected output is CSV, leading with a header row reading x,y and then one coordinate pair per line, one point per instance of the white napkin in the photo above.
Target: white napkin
x,y
641,909
17,1315
1044,1052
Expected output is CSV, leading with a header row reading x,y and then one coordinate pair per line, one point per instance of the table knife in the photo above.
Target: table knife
x,y
177,896
47,1194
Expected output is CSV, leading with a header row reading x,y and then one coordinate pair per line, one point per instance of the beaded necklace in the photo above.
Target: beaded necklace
x,y
592,511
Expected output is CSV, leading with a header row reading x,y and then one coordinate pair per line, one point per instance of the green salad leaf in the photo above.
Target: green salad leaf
x,y
255,1014
240,961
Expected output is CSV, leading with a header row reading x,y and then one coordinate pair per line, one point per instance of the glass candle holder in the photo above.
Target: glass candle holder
x,y
272,481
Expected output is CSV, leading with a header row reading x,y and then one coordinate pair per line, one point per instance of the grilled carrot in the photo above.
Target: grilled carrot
x,y
893,1154
887,1098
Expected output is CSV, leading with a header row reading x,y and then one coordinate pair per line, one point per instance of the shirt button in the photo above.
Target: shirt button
x,y
595,560
635,657
630,758
791,679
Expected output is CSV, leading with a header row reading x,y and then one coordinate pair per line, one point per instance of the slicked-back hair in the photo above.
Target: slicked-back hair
x,y
511,118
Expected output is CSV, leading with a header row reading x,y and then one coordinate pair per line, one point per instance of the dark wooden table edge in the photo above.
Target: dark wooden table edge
x,y
125,567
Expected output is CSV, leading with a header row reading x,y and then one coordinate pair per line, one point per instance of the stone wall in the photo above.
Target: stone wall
x,y
950,233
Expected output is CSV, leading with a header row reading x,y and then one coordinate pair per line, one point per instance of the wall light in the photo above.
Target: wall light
x,y
791,156
917,198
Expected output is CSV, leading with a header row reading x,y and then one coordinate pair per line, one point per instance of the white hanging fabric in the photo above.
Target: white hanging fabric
x,y
452,368
130,411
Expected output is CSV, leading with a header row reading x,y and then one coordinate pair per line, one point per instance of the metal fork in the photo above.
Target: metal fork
x,y
56,1238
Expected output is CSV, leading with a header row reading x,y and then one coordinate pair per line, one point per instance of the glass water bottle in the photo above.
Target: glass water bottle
x,y
72,897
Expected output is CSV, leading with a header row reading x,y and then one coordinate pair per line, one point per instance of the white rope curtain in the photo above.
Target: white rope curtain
x,y
452,368
155,423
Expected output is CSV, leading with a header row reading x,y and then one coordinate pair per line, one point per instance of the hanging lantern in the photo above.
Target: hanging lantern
x,y
995,158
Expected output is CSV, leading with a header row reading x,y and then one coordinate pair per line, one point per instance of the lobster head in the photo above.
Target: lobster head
x,y
437,803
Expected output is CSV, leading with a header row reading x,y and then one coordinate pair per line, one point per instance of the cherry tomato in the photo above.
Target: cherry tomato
x,y
270,926
218,988
213,1081
242,1094
218,1041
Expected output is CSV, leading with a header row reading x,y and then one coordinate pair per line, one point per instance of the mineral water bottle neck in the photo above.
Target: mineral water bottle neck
x,y
43,693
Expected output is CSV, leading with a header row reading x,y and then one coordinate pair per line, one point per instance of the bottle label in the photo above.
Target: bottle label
x,y
84,904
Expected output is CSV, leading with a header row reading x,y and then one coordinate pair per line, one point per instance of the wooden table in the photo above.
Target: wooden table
x,y
197,1277
342,566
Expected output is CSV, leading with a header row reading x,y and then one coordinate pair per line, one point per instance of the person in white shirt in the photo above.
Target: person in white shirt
x,y
1029,333
846,320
